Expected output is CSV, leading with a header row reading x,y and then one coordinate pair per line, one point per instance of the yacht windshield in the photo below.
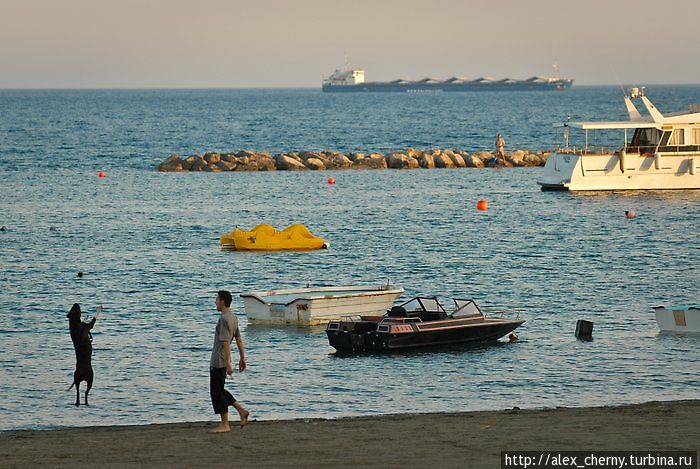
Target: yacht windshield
x,y
645,140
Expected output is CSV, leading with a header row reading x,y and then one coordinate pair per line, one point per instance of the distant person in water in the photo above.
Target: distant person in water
x,y
220,364
500,148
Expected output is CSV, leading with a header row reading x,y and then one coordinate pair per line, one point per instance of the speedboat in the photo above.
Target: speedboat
x,y
266,238
317,305
678,319
422,321
662,153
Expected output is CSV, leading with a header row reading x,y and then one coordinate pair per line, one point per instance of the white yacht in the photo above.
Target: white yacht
x,y
662,153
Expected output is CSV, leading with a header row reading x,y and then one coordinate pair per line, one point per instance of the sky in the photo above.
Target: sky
x,y
295,43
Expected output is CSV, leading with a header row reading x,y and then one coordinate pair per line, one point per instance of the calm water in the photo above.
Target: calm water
x,y
148,245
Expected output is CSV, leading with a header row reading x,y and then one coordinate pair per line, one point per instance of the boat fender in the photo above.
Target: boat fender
x,y
657,160
691,166
623,153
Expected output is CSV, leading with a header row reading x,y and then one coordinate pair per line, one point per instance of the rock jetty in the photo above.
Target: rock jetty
x,y
248,160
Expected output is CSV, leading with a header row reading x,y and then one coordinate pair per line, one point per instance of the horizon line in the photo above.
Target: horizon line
x,y
75,88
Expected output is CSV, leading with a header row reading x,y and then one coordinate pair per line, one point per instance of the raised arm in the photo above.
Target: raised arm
x,y
90,324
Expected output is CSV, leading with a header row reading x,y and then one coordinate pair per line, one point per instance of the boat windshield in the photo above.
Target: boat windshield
x,y
430,305
466,308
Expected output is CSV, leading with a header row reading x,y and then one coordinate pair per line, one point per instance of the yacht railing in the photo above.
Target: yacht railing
x,y
629,149
678,148
582,151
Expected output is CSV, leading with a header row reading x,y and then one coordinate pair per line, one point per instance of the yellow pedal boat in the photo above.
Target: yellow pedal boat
x,y
267,238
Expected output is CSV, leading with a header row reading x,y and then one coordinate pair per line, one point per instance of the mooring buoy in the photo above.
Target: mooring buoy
x,y
584,330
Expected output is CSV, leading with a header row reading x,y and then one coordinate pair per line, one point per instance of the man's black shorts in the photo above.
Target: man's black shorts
x,y
220,397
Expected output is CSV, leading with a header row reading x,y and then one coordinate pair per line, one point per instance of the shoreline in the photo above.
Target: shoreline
x,y
473,439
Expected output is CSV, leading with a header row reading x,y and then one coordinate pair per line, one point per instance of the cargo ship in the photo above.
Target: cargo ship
x,y
353,80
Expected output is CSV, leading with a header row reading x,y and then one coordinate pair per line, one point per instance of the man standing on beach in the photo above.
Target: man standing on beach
x,y
220,365
500,148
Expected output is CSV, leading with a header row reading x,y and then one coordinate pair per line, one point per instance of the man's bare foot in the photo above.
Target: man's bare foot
x,y
220,429
244,419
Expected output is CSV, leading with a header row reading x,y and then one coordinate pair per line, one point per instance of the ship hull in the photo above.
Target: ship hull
x,y
446,87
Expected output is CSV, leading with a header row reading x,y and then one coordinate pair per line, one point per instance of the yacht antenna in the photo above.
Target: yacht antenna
x,y
622,88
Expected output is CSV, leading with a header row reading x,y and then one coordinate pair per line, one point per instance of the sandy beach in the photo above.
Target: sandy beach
x,y
469,439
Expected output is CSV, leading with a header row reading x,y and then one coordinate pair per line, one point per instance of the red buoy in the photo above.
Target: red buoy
x,y
630,213
101,174
331,181
482,205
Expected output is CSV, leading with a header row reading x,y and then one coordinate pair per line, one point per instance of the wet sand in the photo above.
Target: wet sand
x,y
469,439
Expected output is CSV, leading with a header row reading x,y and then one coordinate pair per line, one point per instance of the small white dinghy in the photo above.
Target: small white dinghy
x,y
678,319
313,306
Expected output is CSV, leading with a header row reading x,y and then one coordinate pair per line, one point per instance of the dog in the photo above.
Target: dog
x,y
82,342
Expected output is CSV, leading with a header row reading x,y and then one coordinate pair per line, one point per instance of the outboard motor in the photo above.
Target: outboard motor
x,y
397,312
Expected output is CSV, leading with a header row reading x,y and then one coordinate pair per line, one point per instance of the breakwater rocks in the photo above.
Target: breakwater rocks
x,y
248,160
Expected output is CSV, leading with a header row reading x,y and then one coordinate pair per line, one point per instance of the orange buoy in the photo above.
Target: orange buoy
x,y
331,181
101,174
482,205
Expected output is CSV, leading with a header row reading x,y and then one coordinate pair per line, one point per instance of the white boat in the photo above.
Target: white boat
x,y
313,306
663,153
678,319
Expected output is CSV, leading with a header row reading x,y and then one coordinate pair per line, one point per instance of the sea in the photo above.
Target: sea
x,y
147,245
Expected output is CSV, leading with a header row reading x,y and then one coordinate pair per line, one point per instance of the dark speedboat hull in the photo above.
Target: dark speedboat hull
x,y
350,337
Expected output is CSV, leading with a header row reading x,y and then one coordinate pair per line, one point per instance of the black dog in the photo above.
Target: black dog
x,y
82,342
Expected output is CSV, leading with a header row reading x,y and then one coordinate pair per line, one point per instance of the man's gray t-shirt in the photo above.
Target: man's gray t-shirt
x,y
226,330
